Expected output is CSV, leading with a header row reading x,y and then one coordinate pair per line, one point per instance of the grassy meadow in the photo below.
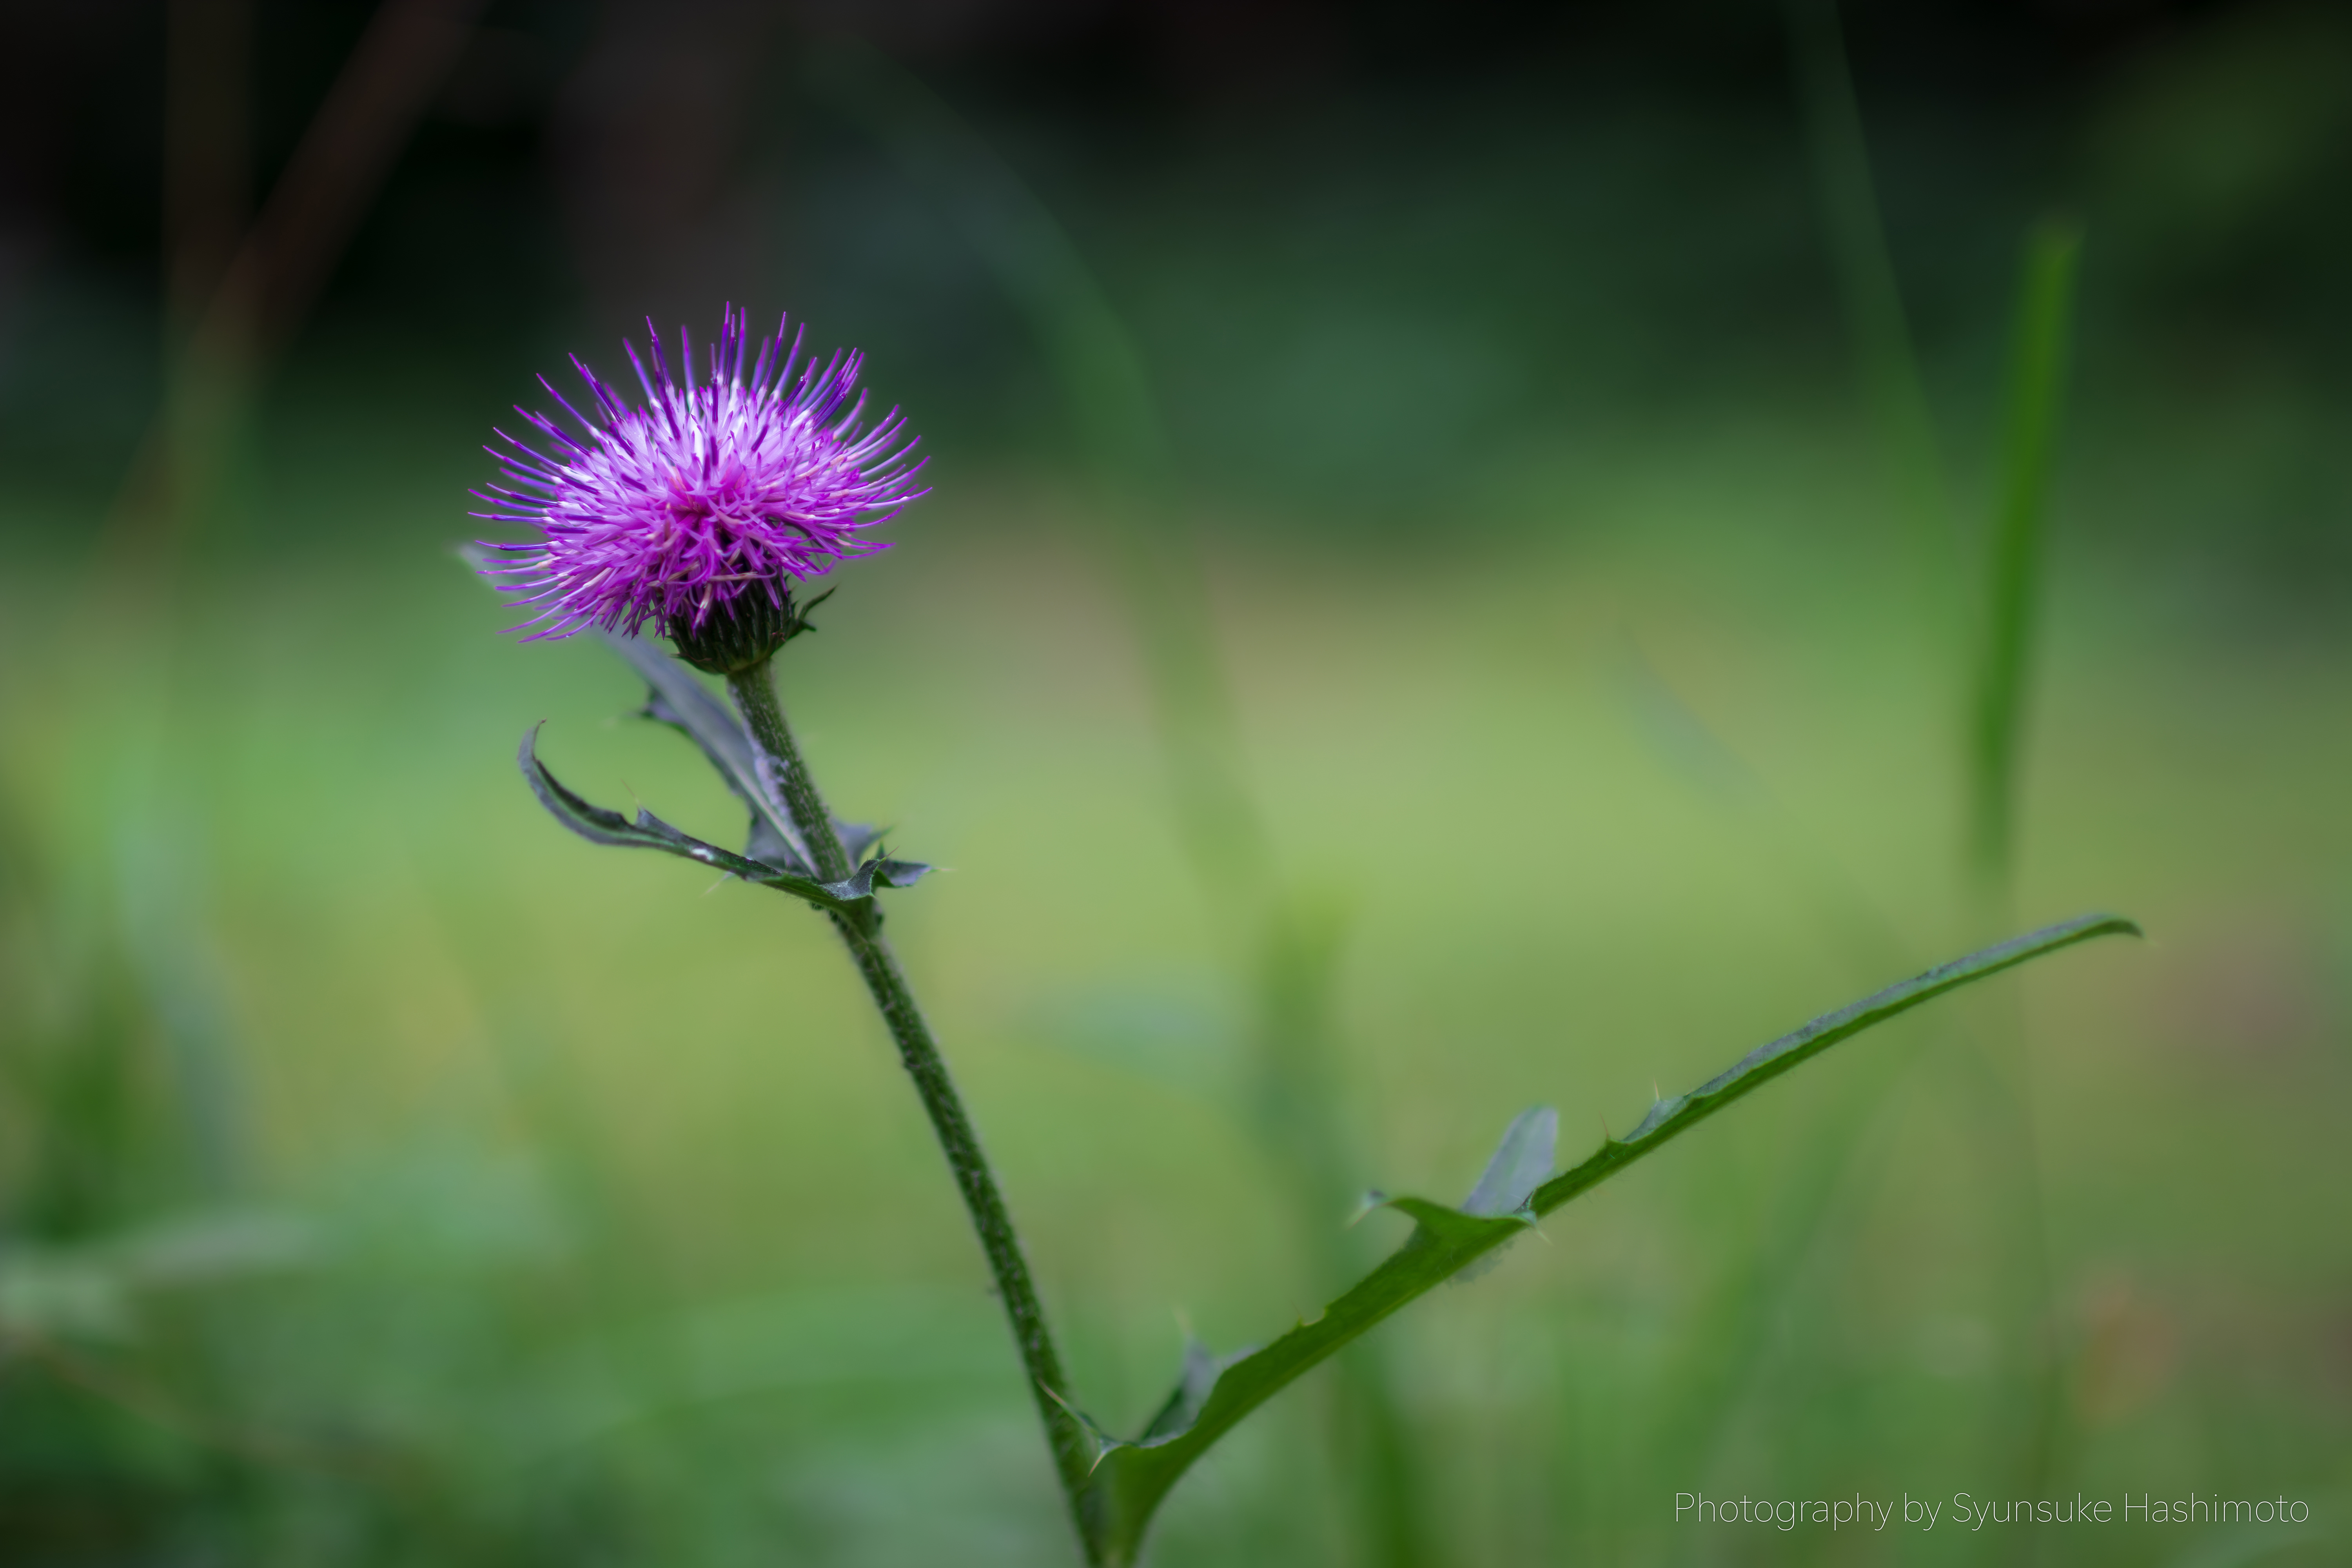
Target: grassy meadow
x,y
603,1223
388,1177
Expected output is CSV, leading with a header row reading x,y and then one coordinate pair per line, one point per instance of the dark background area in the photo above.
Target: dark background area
x,y
1372,252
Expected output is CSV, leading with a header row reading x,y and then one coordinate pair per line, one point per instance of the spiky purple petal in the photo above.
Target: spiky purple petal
x,y
746,482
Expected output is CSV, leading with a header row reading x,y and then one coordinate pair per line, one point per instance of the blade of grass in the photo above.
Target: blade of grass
x,y
1299,1123
2036,394
1722,1356
1283,954
2034,400
1998,665
1094,360
1892,386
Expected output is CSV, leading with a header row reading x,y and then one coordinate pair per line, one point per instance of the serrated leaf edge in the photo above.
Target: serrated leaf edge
x,y
1129,1480
600,825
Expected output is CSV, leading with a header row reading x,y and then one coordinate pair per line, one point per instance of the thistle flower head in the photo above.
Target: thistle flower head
x,y
701,508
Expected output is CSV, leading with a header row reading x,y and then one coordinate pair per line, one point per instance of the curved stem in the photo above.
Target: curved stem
x,y
861,931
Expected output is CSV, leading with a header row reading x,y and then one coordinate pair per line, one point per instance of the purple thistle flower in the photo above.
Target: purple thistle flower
x,y
709,501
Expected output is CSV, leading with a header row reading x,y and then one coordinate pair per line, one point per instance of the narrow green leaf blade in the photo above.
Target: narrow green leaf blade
x,y
1131,1478
1673,1117
1871,294
2036,395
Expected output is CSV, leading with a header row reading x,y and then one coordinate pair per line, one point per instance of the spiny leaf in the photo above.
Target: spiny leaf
x,y
1131,1478
857,838
599,826
1673,1117
676,698
1522,1159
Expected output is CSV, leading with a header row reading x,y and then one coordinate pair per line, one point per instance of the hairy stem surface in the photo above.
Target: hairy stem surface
x,y
861,929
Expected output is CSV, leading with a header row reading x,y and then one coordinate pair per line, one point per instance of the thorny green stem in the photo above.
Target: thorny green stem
x,y
861,930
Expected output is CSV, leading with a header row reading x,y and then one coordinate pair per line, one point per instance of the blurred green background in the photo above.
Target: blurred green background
x,y
388,1177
